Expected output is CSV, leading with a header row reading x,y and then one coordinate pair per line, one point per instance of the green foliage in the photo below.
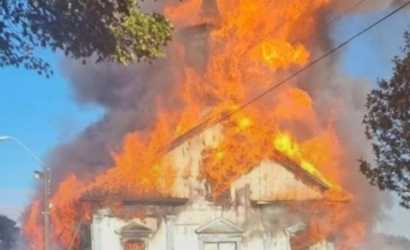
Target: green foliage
x,y
144,35
9,233
114,30
388,127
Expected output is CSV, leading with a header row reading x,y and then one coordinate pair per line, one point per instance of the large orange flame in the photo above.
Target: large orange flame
x,y
249,46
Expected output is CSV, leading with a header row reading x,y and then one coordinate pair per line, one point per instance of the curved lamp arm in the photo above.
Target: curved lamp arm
x,y
45,176
27,149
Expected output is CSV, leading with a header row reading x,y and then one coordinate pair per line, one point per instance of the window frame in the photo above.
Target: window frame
x,y
218,239
219,243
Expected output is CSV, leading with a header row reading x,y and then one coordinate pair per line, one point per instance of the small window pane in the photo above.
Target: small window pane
x,y
227,246
211,246
134,245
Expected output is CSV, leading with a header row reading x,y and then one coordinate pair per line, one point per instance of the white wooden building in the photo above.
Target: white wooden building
x,y
254,216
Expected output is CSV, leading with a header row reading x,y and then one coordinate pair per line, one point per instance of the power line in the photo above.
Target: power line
x,y
321,28
213,120
319,59
315,34
347,11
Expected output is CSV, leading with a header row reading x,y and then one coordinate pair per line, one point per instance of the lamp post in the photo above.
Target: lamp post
x,y
45,177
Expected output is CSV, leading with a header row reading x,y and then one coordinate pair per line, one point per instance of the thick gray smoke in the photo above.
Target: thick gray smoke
x,y
387,242
331,89
368,5
129,96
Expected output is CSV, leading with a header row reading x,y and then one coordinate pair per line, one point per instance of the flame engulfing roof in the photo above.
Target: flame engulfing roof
x,y
124,198
310,178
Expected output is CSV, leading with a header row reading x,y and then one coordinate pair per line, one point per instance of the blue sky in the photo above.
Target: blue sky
x,y
369,57
41,112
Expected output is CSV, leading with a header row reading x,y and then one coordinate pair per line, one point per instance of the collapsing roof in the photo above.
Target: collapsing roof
x,y
126,200
315,179
303,175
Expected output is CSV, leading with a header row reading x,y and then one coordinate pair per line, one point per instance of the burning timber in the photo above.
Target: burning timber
x,y
276,205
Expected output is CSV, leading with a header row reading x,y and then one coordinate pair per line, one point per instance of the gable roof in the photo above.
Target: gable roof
x,y
95,196
219,226
304,175
314,178
134,230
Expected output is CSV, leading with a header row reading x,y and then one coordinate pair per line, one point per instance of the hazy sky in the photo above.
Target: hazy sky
x,y
41,112
369,57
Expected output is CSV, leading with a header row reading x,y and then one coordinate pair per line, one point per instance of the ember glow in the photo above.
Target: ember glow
x,y
248,46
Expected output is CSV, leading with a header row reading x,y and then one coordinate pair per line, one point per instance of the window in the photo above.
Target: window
x,y
219,234
134,245
220,246
134,236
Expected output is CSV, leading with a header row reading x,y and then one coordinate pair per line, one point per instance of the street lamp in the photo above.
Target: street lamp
x,y
45,178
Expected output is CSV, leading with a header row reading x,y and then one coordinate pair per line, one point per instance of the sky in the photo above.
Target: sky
x,y
370,58
42,112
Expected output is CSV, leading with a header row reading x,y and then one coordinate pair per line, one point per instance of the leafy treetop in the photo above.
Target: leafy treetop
x,y
9,233
115,30
387,124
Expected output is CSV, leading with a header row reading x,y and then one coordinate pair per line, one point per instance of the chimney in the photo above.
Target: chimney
x,y
209,12
196,37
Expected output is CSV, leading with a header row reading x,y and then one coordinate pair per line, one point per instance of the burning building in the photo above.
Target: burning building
x,y
201,167
268,207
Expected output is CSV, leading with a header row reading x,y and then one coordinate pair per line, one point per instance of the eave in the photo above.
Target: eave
x,y
145,201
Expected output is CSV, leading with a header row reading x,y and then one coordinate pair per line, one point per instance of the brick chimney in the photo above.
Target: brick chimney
x,y
196,37
209,12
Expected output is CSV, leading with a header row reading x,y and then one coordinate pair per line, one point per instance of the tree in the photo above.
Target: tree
x,y
9,233
115,30
387,122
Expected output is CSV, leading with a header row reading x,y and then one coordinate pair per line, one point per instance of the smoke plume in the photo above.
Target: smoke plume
x,y
382,242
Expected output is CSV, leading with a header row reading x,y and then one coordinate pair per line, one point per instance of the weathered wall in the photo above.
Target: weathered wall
x,y
187,222
271,181
104,228
264,227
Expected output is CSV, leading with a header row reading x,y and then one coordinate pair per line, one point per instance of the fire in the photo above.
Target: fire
x,y
252,44
270,54
134,245
33,228
283,143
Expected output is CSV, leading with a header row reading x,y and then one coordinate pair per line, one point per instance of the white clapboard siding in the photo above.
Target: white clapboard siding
x,y
187,160
271,181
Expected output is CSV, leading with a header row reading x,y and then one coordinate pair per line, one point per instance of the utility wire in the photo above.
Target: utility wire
x,y
317,32
347,11
317,60
213,120
309,39
222,117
